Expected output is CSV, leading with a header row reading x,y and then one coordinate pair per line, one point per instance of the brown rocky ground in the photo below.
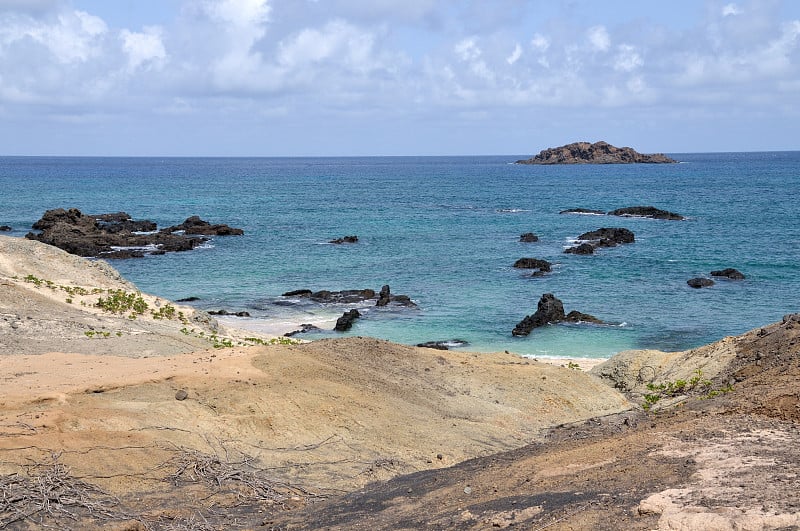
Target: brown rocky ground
x,y
143,424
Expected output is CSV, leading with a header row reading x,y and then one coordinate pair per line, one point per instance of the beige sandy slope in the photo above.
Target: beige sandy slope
x,y
331,415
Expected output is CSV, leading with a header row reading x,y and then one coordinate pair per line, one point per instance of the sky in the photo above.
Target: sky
x,y
396,77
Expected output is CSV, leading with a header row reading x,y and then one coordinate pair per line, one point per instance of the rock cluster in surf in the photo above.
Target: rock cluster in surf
x,y
629,212
118,235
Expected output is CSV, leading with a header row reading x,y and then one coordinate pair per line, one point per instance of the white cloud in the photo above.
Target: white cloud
x,y
143,48
540,42
598,38
515,55
467,49
72,37
351,57
241,14
731,10
243,24
627,58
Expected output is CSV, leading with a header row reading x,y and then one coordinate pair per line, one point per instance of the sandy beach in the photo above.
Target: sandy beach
x,y
166,417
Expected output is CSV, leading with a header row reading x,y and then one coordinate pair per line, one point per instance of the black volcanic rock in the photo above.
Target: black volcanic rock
x,y
584,249
614,235
344,239
444,345
646,212
224,312
549,310
730,273
528,237
348,296
597,153
541,266
304,329
298,293
384,297
5,228
583,211
353,296
195,225
579,317
345,322
111,235
605,237
700,282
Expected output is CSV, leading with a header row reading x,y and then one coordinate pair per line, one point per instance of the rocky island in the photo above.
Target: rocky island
x,y
597,153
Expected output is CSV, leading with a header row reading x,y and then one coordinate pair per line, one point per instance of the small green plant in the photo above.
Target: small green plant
x,y
650,400
167,312
120,301
34,280
99,334
679,387
573,366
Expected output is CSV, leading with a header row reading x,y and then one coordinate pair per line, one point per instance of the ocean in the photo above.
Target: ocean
x,y
445,231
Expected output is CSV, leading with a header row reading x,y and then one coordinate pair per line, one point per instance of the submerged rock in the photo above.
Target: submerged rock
x,y
646,212
583,211
298,293
195,225
597,153
444,345
579,317
605,237
304,329
730,273
224,312
345,239
700,282
541,266
584,248
528,237
352,296
608,237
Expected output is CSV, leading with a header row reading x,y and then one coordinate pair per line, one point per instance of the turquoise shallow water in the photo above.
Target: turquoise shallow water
x,y
445,230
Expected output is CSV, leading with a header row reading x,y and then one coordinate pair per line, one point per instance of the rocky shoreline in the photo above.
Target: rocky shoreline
x,y
119,236
171,421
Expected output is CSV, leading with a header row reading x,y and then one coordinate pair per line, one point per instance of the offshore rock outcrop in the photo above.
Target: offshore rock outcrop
x,y
345,322
117,235
646,212
597,153
550,310
730,273
353,296
629,212
604,237
540,266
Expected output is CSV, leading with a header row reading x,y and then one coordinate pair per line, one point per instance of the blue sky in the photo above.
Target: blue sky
x,y
396,77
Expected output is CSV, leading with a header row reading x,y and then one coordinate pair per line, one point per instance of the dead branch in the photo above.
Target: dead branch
x,y
241,477
47,490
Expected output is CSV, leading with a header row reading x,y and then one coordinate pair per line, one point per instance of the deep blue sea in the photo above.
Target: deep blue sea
x,y
445,231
